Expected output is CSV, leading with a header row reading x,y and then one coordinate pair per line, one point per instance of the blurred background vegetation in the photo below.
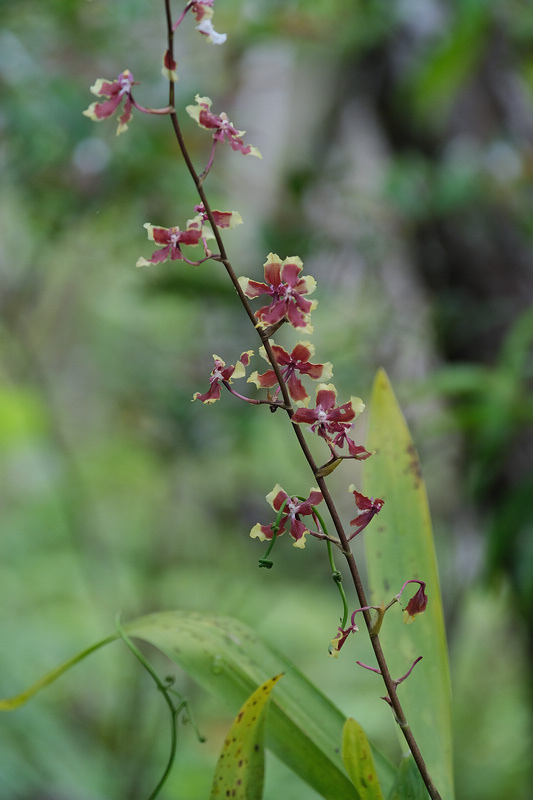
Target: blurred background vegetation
x,y
397,142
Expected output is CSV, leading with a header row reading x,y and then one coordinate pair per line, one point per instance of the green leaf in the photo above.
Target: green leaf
x,y
357,758
225,657
240,769
408,784
399,546
447,67
304,729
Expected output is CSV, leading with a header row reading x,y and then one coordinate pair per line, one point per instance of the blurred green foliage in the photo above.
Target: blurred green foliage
x,y
118,494
493,408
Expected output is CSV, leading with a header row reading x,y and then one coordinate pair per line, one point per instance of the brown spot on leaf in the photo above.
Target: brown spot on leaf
x,y
414,464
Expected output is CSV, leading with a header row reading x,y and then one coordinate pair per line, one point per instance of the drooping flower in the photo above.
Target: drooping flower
x,y
203,12
336,644
417,604
206,27
116,91
220,125
223,374
170,240
341,636
292,363
368,507
286,288
291,515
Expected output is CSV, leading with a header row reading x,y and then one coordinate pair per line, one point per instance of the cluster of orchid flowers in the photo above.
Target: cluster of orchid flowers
x,y
290,511
285,293
119,90
285,290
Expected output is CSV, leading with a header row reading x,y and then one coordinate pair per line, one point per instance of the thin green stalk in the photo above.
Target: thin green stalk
x,y
335,574
264,561
173,709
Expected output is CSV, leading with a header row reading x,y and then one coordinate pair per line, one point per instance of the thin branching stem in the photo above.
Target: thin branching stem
x,y
390,684
173,709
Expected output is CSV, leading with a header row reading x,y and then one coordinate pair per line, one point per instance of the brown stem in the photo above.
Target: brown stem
x,y
343,538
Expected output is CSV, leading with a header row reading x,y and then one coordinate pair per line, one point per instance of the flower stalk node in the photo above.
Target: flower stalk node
x,y
328,467
378,620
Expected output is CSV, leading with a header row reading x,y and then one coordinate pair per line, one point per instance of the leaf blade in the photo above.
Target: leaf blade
x,y
399,547
240,768
11,703
225,657
408,784
229,660
357,758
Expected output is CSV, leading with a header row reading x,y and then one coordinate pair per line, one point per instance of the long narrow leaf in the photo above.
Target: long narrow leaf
x,y
230,661
357,757
304,729
11,703
408,784
240,770
399,546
